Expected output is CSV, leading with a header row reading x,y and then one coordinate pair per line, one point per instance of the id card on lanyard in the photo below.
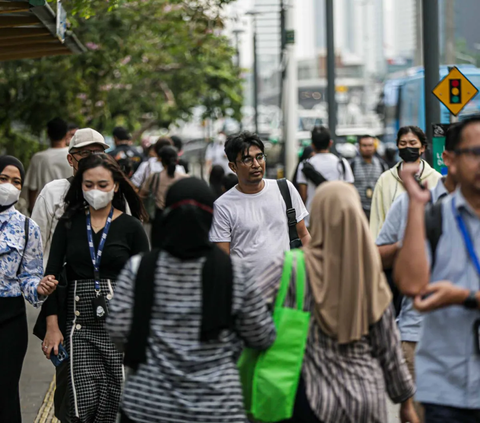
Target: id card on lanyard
x,y
467,239
99,305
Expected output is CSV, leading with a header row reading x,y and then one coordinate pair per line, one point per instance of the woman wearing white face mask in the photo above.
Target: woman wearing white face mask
x,y
94,238
21,272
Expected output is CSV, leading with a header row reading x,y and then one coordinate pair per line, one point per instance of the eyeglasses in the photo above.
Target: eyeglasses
x,y
248,160
87,153
472,154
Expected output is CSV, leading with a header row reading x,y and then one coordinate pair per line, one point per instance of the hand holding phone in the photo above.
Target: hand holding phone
x,y
61,357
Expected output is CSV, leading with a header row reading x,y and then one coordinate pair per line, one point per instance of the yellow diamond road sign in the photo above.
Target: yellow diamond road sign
x,y
455,91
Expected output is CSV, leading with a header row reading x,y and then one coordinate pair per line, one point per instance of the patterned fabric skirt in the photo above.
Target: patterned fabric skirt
x,y
96,371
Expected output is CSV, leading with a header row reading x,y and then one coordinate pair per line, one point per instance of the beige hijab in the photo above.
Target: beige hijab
x,y
343,265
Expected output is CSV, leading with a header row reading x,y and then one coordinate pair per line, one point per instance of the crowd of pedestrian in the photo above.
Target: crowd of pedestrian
x,y
355,280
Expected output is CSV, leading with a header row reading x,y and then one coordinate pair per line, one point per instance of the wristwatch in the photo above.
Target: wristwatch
x,y
471,302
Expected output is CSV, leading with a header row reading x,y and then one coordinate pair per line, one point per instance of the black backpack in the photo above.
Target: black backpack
x,y
434,225
314,176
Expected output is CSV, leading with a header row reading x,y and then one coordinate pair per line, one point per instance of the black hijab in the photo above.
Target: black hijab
x,y
185,227
186,220
11,161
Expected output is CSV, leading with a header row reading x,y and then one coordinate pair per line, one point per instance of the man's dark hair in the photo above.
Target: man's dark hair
x,y
57,129
241,143
362,137
452,138
460,127
162,142
121,134
321,138
72,125
177,142
415,130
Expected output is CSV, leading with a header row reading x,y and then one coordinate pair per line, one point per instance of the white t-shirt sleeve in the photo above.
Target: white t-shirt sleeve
x,y
297,203
221,230
43,216
139,177
348,173
31,179
301,178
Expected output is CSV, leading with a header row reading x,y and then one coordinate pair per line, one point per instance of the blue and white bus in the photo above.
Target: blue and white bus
x,y
404,99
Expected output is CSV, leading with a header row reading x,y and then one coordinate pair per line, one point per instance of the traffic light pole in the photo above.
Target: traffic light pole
x,y
431,59
332,105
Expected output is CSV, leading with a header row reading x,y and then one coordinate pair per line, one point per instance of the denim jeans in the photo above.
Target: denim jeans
x,y
435,413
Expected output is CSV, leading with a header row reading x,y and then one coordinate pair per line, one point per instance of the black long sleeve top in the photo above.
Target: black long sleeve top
x,y
125,239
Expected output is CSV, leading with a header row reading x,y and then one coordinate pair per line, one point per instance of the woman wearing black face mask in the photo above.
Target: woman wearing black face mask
x,y
411,143
21,272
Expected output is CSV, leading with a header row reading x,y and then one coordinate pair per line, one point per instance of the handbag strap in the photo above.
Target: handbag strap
x,y
286,277
300,279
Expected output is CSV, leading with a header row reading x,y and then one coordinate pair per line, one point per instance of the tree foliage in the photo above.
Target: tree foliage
x,y
149,62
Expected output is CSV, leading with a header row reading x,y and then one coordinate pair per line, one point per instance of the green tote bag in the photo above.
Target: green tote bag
x,y
270,378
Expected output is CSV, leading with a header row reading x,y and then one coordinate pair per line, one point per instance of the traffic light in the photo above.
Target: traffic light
x,y
455,85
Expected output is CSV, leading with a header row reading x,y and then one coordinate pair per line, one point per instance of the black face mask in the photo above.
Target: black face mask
x,y
409,154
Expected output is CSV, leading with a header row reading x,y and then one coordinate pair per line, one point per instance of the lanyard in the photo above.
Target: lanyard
x,y
466,238
97,258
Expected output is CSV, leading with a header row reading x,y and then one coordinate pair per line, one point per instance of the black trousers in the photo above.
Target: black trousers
x,y
155,236
13,347
302,412
435,413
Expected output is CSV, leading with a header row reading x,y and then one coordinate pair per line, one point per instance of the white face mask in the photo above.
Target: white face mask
x,y
8,194
99,199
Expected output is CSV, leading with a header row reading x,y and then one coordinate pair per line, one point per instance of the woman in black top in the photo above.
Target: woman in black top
x,y
94,222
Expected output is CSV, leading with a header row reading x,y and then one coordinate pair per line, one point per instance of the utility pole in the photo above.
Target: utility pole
x,y
332,105
450,57
255,74
290,109
254,14
418,59
431,60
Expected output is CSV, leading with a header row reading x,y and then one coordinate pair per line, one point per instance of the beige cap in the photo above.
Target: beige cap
x,y
87,136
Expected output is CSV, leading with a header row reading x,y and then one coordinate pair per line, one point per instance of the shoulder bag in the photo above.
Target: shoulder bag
x,y
270,378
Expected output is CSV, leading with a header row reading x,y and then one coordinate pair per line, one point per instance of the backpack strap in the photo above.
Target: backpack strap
x,y
291,214
344,169
144,294
352,165
433,226
27,230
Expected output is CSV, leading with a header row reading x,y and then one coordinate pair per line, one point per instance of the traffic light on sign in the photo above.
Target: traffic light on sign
x,y
455,89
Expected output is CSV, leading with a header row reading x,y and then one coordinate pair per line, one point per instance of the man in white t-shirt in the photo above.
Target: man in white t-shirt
x,y
330,166
50,164
250,220
50,206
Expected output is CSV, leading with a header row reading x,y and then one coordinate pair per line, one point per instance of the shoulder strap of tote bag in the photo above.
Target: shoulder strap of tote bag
x,y
287,275
300,279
